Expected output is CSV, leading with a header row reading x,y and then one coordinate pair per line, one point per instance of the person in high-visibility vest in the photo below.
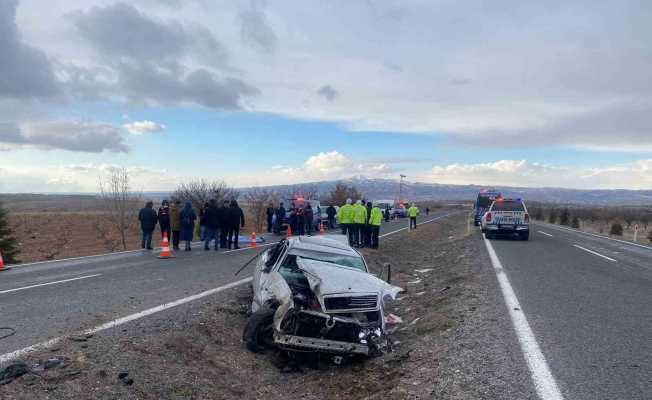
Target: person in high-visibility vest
x,y
345,217
375,221
359,220
413,211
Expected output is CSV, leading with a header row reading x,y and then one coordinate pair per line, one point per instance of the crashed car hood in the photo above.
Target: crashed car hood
x,y
327,278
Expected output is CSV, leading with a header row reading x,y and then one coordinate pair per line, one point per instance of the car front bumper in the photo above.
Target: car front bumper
x,y
323,345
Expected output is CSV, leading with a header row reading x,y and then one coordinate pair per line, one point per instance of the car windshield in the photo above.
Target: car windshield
x,y
289,264
508,206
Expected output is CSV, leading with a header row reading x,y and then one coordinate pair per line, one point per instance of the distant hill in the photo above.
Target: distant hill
x,y
377,189
374,189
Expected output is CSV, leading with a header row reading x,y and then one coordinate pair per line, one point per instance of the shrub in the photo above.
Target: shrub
x,y
616,229
8,244
649,236
552,217
575,223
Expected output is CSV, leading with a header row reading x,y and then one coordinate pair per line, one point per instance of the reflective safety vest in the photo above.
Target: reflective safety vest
x,y
413,211
376,217
346,214
359,214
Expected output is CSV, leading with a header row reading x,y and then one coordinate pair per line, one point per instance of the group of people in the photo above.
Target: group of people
x,y
361,223
302,220
218,224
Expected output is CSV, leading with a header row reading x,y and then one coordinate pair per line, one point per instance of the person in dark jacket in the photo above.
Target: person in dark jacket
x,y
270,217
367,227
164,219
280,218
148,219
294,217
308,216
212,222
223,223
175,223
188,218
330,213
202,222
235,220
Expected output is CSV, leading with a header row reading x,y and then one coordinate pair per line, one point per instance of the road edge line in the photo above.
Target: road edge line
x,y
48,283
594,252
120,321
553,226
542,378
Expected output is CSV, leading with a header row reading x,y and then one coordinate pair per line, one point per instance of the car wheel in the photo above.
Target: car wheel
x,y
488,236
525,236
258,332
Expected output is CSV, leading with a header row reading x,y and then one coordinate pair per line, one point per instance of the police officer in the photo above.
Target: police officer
x,y
374,223
346,220
413,211
359,219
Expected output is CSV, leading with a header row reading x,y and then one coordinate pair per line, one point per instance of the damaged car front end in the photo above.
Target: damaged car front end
x,y
316,295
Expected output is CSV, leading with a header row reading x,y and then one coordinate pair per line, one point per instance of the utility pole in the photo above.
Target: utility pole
x,y
400,188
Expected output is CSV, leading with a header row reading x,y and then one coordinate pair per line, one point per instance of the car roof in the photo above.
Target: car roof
x,y
326,244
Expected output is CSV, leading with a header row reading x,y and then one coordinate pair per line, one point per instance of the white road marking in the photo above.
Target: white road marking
x,y
544,233
120,321
594,252
48,283
544,382
600,236
421,223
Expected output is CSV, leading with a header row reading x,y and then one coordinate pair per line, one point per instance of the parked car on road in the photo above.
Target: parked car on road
x,y
506,217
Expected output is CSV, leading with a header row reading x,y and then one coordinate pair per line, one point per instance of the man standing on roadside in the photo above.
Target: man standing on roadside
x,y
236,220
175,223
331,212
280,218
367,226
223,223
164,218
148,218
359,220
374,223
212,225
270,217
413,211
346,220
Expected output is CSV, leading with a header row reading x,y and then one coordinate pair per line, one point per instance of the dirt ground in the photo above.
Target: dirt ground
x,y
196,352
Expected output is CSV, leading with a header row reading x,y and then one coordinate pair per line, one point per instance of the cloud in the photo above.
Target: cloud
x,y
78,136
634,175
327,92
152,61
331,165
79,178
25,72
143,127
255,30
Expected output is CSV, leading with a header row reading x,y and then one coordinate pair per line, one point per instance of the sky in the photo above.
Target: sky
x,y
555,93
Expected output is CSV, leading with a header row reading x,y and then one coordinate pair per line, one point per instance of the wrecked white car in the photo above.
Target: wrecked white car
x,y
315,294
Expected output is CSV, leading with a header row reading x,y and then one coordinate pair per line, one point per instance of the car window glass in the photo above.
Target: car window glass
x,y
508,206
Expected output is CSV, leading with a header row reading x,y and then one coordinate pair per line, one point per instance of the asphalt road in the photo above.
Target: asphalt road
x,y
588,301
45,301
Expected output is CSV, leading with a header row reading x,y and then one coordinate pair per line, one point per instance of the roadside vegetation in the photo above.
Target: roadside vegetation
x,y
619,222
8,243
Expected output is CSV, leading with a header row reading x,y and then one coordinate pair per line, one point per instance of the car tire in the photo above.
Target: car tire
x,y
488,236
525,236
258,331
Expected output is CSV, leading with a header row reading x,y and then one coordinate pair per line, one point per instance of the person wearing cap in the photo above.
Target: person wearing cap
x,y
148,218
375,220
164,218
413,211
346,220
359,220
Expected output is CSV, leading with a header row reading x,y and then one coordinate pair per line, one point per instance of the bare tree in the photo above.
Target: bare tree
x,y
198,192
120,202
257,201
341,192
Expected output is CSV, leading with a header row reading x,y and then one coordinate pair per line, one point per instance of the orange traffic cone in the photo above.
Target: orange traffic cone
x,y
321,228
253,239
165,247
289,233
2,263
